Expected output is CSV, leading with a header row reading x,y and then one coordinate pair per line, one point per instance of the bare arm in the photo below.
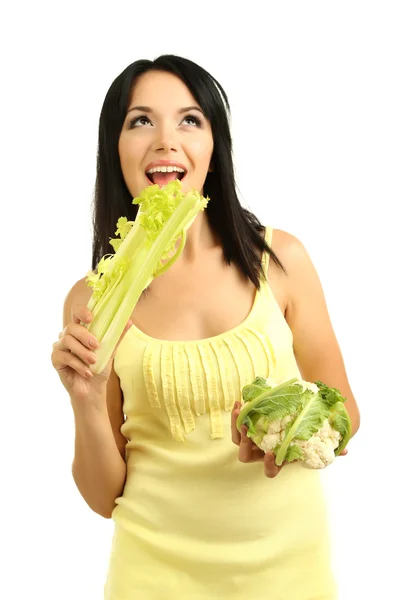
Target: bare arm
x,y
315,345
99,468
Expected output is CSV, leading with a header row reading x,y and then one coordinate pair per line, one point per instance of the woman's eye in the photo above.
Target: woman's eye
x,y
139,121
194,120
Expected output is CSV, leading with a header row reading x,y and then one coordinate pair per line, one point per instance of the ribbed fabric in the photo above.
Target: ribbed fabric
x,y
193,522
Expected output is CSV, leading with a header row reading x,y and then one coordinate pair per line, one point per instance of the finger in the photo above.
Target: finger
x,y
74,346
234,431
80,332
245,446
270,467
81,314
61,360
247,453
344,452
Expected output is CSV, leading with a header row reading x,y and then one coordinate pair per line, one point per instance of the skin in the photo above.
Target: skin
x,y
200,296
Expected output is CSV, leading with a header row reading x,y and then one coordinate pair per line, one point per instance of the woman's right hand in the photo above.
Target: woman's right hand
x,y
73,354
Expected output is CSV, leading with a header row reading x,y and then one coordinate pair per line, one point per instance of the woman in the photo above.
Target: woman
x,y
199,513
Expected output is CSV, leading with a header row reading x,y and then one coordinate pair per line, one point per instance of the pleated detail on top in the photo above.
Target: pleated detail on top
x,y
194,379
207,365
149,379
169,392
181,390
224,374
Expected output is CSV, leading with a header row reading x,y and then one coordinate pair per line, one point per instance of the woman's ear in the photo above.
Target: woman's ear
x,y
211,168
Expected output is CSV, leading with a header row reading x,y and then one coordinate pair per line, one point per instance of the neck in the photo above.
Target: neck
x,y
199,238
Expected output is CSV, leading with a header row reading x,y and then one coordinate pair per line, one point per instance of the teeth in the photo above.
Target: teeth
x,y
165,170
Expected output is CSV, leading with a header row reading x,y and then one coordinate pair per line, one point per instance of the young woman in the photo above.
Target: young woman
x,y
199,513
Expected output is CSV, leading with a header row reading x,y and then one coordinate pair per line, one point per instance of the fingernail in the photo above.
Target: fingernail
x,y
93,343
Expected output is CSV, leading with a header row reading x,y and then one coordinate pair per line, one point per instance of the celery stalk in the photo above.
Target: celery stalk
x,y
141,254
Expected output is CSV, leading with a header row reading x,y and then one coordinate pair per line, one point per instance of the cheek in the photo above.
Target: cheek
x,y
130,157
202,151
130,160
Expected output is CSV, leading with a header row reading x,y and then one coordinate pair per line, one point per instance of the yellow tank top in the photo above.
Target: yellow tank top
x,y
193,523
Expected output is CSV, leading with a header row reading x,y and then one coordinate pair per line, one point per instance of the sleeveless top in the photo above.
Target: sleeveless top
x,y
194,523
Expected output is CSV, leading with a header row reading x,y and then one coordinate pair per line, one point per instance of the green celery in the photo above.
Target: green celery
x,y
141,254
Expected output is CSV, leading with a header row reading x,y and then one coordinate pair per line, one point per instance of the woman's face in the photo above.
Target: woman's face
x,y
164,127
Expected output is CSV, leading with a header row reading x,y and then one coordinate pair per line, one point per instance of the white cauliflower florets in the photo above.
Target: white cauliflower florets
x,y
274,427
319,450
270,440
275,434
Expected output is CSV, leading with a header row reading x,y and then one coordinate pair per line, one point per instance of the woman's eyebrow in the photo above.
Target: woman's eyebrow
x,y
147,109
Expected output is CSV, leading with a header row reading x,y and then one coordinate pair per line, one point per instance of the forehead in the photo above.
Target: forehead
x,y
159,89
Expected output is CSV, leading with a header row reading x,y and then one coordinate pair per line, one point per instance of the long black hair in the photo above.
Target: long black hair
x,y
240,232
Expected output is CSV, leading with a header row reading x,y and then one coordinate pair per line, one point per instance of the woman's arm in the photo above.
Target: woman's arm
x,y
99,467
316,348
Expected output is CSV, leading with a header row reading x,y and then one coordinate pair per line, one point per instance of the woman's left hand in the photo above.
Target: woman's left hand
x,y
249,452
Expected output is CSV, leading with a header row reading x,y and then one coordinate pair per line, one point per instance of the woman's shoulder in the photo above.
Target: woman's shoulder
x,y
285,242
294,257
80,290
289,248
300,273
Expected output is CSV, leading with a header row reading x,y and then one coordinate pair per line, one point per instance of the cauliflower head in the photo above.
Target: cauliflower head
x,y
296,420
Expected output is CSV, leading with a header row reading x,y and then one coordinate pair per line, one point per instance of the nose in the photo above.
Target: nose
x,y
165,139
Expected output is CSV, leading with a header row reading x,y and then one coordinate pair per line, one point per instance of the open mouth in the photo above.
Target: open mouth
x,y
162,176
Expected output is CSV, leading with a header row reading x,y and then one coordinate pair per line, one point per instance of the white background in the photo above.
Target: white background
x,y
315,117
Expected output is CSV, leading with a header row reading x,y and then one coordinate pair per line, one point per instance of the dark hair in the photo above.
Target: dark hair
x,y
240,232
